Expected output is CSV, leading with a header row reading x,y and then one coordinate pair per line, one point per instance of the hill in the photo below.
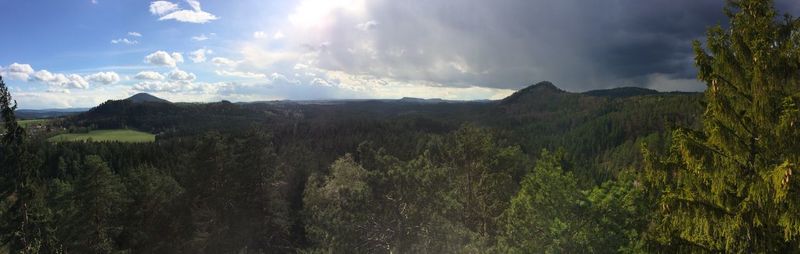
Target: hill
x,y
621,92
47,113
538,91
149,113
145,97
541,115
545,102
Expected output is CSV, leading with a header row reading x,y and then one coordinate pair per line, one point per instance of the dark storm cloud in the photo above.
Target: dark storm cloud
x,y
577,44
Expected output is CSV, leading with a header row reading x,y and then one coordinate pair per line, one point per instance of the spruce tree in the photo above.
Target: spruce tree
x,y
729,187
23,226
99,194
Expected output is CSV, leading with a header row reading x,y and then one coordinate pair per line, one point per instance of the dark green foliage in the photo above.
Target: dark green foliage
x,y
146,98
445,200
99,199
151,194
547,213
236,196
552,214
25,218
338,210
621,92
168,118
729,188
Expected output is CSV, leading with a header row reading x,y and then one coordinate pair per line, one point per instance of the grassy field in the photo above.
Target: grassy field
x,y
26,123
121,135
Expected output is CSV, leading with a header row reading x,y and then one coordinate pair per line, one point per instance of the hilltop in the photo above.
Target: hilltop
x,y
540,90
146,97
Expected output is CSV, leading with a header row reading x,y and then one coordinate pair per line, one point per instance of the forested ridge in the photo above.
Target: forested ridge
x,y
542,171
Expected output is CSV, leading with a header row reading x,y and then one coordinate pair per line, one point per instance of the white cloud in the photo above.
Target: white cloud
x,y
69,80
318,13
278,35
177,56
282,78
43,75
240,74
159,86
199,56
135,34
195,91
58,90
259,34
26,72
367,26
149,75
195,4
179,75
161,8
300,66
263,35
201,37
18,71
124,41
320,82
221,61
168,10
55,97
382,87
188,16
257,58
105,78
162,58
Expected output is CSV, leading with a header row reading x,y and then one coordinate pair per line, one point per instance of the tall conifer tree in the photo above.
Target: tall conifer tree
x,y
729,187
23,226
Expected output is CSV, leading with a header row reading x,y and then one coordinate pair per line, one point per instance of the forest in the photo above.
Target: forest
x,y
623,170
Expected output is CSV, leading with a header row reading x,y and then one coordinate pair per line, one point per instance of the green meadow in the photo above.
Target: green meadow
x,y
26,123
121,135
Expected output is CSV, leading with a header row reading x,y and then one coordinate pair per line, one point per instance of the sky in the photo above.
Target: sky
x,y
79,53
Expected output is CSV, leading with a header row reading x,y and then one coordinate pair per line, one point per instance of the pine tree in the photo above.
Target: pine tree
x,y
23,227
484,175
99,195
729,187
338,209
546,213
151,194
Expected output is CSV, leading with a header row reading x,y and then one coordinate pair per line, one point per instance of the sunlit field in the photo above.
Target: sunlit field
x,y
129,136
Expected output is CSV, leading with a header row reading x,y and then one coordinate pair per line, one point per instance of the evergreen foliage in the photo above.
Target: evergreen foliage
x,y
25,224
729,188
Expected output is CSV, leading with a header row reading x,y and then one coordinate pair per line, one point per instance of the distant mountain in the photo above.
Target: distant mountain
x,y
621,92
48,113
540,90
146,112
421,100
546,101
145,97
